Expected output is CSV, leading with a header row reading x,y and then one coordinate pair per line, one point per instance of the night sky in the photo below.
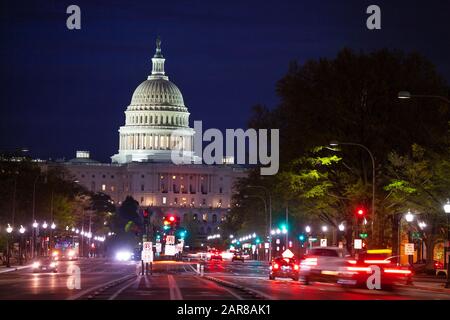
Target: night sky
x,y
65,90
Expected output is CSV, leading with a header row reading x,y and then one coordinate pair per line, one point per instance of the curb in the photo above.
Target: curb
x,y
14,269
444,290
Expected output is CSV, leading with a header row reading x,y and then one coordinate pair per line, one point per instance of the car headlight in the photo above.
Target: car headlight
x,y
36,265
123,255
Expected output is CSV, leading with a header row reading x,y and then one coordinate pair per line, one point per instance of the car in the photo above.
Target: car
x,y
66,254
323,264
366,264
284,268
215,255
45,265
238,256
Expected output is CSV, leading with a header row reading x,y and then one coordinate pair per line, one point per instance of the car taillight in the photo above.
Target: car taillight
x,y
398,271
377,261
351,261
359,269
296,267
276,266
309,262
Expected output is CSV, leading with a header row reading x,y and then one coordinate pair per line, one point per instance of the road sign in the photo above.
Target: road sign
x,y
358,244
158,247
416,235
409,249
170,250
287,254
363,235
147,246
170,240
147,256
266,245
323,242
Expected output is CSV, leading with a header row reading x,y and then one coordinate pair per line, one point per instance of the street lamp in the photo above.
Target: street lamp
x,y
408,95
336,143
409,216
44,225
21,231
324,229
53,226
308,229
341,227
447,211
9,229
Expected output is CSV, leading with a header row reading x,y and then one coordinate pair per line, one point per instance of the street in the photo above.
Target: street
x,y
103,279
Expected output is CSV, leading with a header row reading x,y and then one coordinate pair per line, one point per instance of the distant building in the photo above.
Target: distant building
x,y
143,168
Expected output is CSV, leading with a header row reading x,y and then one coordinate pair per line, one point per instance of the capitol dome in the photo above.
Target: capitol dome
x,y
160,91
156,121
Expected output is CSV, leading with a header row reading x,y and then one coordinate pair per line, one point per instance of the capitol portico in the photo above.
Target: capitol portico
x,y
156,123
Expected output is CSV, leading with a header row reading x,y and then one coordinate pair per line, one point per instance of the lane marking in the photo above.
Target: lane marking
x,y
93,289
127,285
222,287
175,293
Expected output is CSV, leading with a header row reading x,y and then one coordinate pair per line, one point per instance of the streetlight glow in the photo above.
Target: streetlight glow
x,y
447,207
44,225
53,226
22,229
409,216
9,229
324,228
341,227
308,229
35,224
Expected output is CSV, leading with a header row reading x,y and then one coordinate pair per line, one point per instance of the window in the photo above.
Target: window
x,y
92,186
164,200
142,199
103,187
104,176
112,188
142,176
208,230
175,200
195,216
192,200
203,201
185,217
142,187
205,217
220,190
82,175
93,176
112,177
214,218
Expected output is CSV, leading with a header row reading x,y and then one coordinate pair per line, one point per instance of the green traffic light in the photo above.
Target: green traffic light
x,y
301,237
258,241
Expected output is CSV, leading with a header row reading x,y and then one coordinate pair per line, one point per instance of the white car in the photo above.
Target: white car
x,y
324,264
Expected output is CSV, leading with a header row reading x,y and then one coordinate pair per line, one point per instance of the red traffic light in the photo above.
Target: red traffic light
x,y
145,213
171,218
360,212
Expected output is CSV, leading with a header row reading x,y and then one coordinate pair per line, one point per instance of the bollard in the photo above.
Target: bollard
x,y
151,268
198,268
146,268
202,268
142,267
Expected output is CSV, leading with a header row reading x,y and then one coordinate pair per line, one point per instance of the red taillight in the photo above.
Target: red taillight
x,y
351,261
359,269
377,261
397,271
296,267
276,266
309,262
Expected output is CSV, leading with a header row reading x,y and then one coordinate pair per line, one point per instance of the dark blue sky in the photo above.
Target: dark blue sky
x,y
64,90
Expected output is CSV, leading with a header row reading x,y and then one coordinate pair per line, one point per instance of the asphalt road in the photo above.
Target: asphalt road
x,y
222,280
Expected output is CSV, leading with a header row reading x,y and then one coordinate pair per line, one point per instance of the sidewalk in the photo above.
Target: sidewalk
x,y
428,283
4,269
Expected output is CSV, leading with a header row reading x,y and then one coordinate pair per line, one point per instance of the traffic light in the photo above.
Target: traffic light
x,y
146,216
301,237
171,221
360,212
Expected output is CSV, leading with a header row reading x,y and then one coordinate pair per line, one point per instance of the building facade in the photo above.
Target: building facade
x,y
157,124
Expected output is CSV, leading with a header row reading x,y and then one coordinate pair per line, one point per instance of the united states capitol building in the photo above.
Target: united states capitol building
x,y
157,122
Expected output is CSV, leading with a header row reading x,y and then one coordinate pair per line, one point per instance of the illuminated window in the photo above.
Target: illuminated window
x,y
103,187
112,188
174,177
205,217
164,200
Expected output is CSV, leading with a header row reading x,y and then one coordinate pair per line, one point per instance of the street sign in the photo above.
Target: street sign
x,y
358,244
170,250
409,249
287,254
363,235
415,235
341,245
158,247
266,245
147,246
170,240
323,242
147,256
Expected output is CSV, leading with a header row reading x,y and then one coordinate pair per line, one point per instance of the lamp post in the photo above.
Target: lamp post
x,y
35,225
45,225
9,229
265,208
409,217
336,143
308,231
21,231
447,211
270,216
33,236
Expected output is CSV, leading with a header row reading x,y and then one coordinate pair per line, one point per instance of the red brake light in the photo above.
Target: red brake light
x,y
171,218
296,266
397,271
377,261
351,261
276,266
